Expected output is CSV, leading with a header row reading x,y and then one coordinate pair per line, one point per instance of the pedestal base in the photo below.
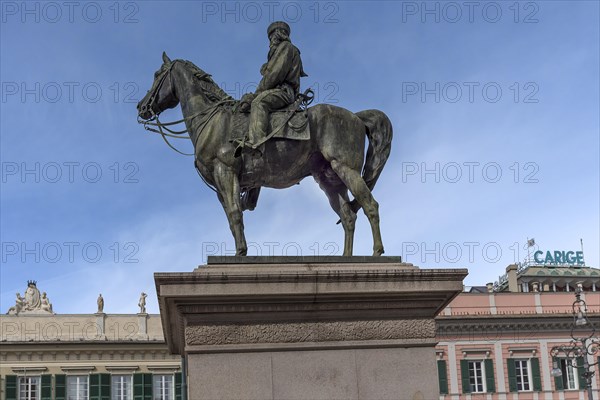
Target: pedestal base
x,y
390,373
307,330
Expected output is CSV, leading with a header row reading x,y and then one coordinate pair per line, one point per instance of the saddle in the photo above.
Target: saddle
x,y
290,122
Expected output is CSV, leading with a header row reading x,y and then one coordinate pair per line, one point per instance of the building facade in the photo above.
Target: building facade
x,y
497,341
45,356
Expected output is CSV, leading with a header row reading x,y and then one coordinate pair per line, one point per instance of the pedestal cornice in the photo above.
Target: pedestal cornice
x,y
251,307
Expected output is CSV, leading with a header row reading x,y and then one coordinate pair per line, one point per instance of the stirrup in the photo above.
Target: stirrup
x,y
241,143
244,144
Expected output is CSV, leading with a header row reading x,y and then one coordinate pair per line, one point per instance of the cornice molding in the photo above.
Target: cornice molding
x,y
28,369
501,323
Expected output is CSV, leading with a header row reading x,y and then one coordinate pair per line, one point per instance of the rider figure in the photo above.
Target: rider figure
x,y
279,85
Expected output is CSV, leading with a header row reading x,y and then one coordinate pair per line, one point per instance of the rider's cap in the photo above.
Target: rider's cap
x,y
278,25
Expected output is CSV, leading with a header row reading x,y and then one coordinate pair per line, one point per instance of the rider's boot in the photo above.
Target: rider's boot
x,y
256,138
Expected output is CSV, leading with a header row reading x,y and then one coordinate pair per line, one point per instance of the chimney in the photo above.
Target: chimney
x,y
490,287
511,273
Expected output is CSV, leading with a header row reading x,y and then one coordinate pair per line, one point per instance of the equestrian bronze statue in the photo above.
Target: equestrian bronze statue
x,y
324,141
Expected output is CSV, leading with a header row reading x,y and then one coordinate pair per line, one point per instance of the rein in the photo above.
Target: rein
x,y
174,134
164,126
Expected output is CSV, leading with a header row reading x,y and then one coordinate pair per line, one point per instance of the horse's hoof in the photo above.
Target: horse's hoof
x,y
378,252
241,253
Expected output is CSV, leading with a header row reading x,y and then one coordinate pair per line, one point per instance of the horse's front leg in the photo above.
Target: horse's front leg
x,y
228,187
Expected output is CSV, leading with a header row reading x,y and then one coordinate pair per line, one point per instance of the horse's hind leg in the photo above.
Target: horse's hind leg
x,y
228,188
348,218
357,186
339,201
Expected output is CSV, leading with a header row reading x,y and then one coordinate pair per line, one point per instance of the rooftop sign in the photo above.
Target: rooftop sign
x,y
557,257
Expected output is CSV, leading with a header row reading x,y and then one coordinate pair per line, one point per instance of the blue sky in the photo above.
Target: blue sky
x,y
495,110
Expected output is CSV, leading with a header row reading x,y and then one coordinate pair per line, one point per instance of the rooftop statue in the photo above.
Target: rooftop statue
x,y
100,304
32,303
323,141
142,303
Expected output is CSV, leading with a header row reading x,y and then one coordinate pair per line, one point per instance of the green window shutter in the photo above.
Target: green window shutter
x,y
138,386
512,374
100,387
178,386
46,387
558,382
148,387
60,387
580,372
464,375
10,387
442,376
104,387
490,382
94,389
142,386
536,376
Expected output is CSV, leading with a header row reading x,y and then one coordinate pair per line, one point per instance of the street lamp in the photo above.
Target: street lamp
x,y
583,343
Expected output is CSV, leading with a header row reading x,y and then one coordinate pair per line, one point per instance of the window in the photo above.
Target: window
x,y
522,374
569,374
162,387
29,388
121,387
476,377
77,387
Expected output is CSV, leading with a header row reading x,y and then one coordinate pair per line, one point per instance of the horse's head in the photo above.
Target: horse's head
x,y
161,95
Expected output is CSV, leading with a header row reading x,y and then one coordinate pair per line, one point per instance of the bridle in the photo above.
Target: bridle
x,y
164,126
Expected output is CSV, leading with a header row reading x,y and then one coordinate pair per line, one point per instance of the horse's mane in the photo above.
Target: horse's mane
x,y
210,88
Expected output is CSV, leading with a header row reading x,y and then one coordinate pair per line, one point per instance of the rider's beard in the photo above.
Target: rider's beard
x,y
277,38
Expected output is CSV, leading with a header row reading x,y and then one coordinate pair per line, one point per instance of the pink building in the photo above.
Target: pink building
x,y
495,342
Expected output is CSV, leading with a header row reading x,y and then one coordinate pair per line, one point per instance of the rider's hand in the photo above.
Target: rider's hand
x,y
245,102
244,107
247,98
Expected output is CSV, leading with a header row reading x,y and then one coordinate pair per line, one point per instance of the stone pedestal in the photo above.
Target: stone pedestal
x,y
306,328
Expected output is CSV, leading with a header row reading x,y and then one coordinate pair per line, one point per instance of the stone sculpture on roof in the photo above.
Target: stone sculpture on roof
x,y
32,303
100,303
142,303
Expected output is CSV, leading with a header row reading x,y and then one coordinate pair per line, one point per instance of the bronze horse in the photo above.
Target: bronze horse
x,y
334,155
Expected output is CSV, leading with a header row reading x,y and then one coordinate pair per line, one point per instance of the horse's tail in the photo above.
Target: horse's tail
x,y
379,133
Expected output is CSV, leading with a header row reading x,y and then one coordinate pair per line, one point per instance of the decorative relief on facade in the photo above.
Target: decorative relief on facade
x,y
309,332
